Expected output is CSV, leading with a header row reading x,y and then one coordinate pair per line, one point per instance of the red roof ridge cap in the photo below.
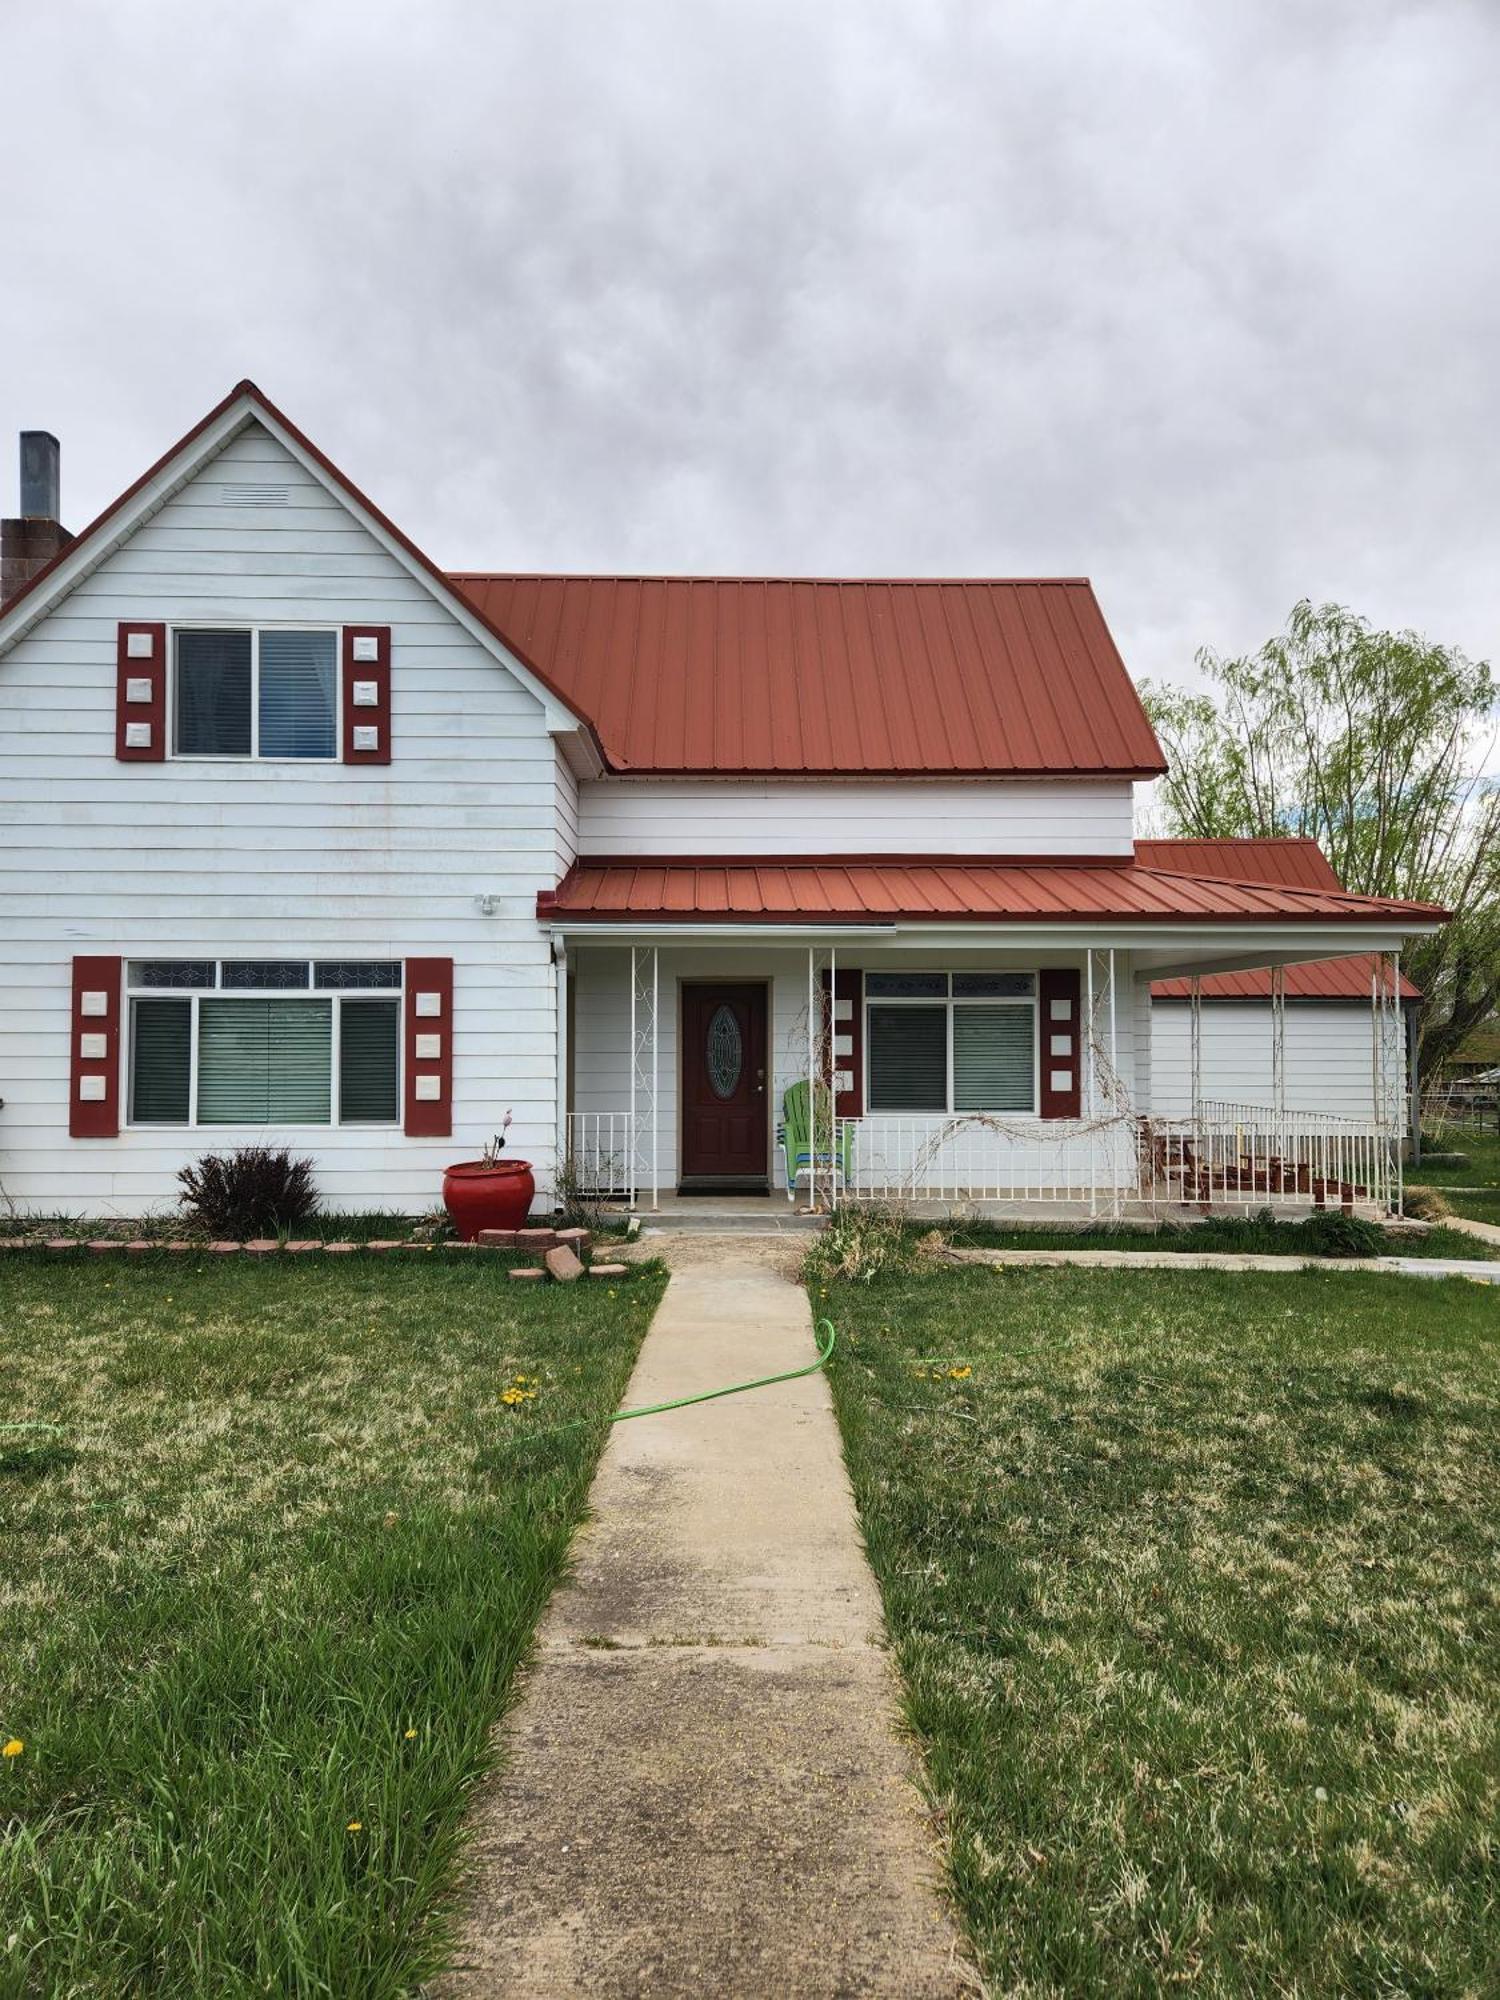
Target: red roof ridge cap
x,y
729,577
1300,889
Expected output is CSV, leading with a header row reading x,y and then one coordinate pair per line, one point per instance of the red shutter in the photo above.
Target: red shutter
x,y
141,694
367,694
1060,1027
429,1048
94,1090
848,1029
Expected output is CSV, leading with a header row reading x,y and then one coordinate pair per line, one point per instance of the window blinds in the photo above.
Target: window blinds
x,y
297,702
908,1058
265,1062
213,694
992,1058
160,1060
367,1061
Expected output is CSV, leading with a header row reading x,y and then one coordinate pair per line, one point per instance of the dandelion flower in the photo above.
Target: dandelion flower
x,y
355,1826
512,1396
410,1734
13,1748
960,1374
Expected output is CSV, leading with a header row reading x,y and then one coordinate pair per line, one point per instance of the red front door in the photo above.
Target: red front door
x,y
724,1084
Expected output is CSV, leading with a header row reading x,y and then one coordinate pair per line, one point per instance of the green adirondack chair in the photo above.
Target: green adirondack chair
x,y
797,1142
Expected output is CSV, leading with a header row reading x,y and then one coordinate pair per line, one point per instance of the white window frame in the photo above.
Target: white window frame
x,y
949,1002
254,629
219,991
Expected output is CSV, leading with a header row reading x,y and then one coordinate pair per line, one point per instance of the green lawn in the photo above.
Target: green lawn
x,y
263,1594
1482,1150
1193,1580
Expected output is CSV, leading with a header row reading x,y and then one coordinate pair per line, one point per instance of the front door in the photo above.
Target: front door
x,y
724,1086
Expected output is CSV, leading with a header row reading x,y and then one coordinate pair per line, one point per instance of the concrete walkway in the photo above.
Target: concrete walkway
x,y
703,1790
1477,1268
1487,1232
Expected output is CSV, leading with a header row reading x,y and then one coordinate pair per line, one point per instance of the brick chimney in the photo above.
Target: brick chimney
x,y
36,535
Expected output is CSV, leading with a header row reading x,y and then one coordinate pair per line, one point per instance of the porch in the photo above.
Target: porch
x,y
665,1038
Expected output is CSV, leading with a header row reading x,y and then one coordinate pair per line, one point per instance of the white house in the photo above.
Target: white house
x,y
308,838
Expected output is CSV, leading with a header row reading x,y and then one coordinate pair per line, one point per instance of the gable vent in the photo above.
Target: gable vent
x,y
255,496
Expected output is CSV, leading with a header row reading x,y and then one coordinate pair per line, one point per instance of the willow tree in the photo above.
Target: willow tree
x,y
1376,745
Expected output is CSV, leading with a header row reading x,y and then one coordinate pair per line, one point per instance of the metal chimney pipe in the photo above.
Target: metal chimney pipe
x,y
41,476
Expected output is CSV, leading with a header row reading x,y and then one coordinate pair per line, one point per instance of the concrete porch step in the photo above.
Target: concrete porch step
x,y
730,1219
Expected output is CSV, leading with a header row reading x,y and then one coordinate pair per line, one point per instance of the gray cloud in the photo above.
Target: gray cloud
x,y
1197,297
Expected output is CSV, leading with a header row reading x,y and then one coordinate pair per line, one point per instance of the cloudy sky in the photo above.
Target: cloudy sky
x,y
1197,297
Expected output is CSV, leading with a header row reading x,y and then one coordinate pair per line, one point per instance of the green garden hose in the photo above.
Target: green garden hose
x,y
825,1351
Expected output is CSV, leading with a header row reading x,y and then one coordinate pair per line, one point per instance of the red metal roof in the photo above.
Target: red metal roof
x,y
1295,862
934,889
1327,979
829,677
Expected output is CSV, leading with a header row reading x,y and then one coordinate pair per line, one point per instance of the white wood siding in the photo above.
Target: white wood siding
x,y
564,816
732,816
601,1050
1328,1056
229,858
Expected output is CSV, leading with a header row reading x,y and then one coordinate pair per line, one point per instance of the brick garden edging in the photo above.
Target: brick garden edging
x,y
543,1242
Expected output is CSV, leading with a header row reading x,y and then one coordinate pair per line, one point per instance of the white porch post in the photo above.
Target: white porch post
x,y
655,1078
812,1084
1195,1041
1278,1041
560,965
644,992
1088,1056
830,1047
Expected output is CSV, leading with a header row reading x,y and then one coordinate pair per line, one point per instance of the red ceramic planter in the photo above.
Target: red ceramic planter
x,y
478,1196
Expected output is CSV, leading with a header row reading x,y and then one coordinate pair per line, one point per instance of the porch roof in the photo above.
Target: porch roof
x,y
943,889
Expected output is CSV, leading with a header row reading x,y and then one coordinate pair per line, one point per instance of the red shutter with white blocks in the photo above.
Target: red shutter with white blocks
x,y
141,694
367,694
847,1028
94,1086
429,1048
1060,1026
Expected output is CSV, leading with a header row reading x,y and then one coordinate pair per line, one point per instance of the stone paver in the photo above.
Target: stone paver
x,y
703,1788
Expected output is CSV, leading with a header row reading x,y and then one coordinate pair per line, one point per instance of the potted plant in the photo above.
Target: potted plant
x,y
488,1193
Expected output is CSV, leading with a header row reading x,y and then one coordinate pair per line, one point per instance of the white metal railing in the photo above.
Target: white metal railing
x,y
1236,1156
1250,1156
966,1158
600,1152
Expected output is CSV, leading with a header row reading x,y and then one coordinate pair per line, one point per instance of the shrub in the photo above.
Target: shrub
x,y
1425,1204
250,1192
1332,1233
862,1244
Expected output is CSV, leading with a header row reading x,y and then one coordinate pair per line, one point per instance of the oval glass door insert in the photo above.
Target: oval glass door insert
x,y
726,1052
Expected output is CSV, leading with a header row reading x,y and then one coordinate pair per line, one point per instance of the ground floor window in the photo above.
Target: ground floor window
x,y
960,1041
264,1041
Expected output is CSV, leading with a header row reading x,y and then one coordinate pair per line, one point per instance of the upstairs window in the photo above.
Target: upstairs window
x,y
255,692
265,1042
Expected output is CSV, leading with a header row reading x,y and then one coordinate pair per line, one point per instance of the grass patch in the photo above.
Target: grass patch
x,y
265,1588
1192,1578
1257,1236
1482,1150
